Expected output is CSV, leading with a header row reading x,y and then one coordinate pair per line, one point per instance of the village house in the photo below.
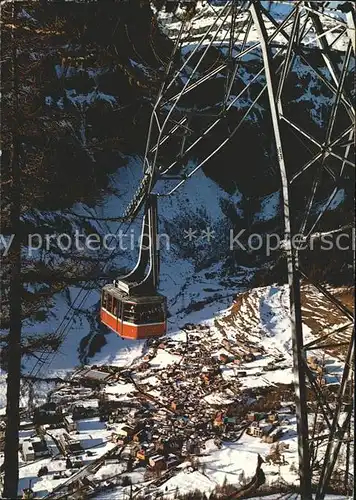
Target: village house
x,y
227,344
34,449
26,425
142,454
48,413
129,451
69,445
254,430
70,424
273,436
249,357
191,447
225,358
256,350
229,420
313,362
51,444
115,417
267,429
2,435
163,446
272,418
140,436
115,438
91,377
218,419
252,416
28,452
145,452
28,494
85,409
172,461
206,377
157,462
123,434
133,416
74,462
143,366
271,366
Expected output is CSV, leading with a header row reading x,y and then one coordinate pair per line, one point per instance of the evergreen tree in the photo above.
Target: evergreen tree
x,y
50,161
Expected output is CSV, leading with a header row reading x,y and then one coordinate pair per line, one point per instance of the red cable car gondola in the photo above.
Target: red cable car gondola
x,y
131,306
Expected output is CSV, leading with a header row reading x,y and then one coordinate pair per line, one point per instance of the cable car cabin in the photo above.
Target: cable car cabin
x,y
130,306
133,317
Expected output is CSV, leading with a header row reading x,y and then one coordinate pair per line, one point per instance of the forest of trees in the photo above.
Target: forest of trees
x,y
58,151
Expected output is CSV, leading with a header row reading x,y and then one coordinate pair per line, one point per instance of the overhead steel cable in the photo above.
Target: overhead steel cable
x,y
64,330
225,141
328,134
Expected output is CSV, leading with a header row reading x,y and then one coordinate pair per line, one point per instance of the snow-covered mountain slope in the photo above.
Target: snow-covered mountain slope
x,y
263,313
257,322
258,317
190,271
199,277
215,14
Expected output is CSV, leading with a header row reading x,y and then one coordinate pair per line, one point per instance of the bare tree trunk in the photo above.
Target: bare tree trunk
x,y
11,468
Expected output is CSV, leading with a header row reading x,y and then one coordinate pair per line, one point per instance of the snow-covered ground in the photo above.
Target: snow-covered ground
x,y
196,294
207,14
180,280
262,316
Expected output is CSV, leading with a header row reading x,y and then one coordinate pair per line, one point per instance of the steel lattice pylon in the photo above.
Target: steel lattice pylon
x,y
307,34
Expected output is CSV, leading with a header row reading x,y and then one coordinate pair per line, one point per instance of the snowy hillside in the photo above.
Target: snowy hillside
x,y
195,275
257,325
209,406
185,279
199,277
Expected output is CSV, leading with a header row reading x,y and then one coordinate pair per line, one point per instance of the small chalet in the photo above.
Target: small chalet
x,y
48,413
157,462
35,449
176,406
224,358
273,436
122,435
252,416
2,436
272,418
70,424
249,357
254,430
92,377
140,436
70,446
172,461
